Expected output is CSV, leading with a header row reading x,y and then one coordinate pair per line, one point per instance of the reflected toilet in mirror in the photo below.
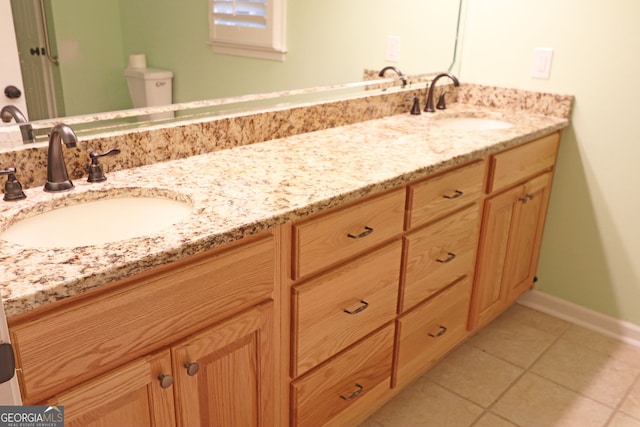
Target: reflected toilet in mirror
x,y
150,87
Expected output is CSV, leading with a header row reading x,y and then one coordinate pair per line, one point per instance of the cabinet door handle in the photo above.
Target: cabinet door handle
x,y
457,194
365,233
441,332
166,380
527,197
354,394
450,257
359,309
192,368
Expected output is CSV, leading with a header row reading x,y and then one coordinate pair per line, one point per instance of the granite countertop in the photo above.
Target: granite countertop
x,y
244,190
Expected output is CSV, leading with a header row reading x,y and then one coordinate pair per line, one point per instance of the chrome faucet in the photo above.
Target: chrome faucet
x,y
9,112
429,107
57,176
397,71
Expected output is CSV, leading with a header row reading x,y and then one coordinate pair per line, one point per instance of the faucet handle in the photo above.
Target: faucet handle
x,y
12,188
96,174
415,109
441,102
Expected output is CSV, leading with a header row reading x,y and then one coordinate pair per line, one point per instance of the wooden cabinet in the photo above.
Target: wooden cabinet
x,y
225,375
316,323
512,228
212,314
138,394
342,317
341,368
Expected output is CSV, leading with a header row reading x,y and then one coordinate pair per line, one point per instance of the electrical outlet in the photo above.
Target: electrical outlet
x,y
541,62
393,48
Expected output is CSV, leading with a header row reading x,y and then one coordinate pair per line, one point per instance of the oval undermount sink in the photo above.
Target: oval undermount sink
x,y
97,222
473,123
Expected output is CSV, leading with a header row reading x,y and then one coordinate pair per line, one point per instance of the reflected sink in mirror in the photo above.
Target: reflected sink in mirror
x,y
96,222
472,123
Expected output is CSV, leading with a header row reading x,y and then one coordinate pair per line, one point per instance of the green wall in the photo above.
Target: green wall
x,y
591,250
90,55
328,42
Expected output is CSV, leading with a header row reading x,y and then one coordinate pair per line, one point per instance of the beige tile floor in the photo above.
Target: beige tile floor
x,y
526,369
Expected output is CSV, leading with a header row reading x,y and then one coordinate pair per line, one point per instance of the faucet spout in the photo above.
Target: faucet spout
x,y
9,112
57,176
429,107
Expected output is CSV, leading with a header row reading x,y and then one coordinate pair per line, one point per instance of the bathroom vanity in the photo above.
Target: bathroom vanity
x,y
318,275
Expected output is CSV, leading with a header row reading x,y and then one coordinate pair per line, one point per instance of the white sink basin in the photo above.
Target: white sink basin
x,y
473,123
97,222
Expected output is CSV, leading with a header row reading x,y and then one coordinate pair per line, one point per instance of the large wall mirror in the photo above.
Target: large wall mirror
x,y
328,42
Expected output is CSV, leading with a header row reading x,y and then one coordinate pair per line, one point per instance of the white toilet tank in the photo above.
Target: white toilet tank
x,y
150,87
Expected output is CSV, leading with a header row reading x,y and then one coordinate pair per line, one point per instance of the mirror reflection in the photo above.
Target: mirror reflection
x,y
328,42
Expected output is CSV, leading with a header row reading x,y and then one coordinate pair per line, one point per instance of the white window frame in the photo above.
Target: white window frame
x,y
266,42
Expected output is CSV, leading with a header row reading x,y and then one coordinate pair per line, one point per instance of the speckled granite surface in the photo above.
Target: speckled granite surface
x,y
248,188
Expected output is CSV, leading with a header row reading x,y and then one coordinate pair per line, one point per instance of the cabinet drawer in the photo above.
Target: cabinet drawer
x,y
445,193
439,254
351,382
327,239
77,342
517,164
430,330
337,309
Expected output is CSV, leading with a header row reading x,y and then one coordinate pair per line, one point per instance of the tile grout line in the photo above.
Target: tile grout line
x,y
614,410
524,371
624,398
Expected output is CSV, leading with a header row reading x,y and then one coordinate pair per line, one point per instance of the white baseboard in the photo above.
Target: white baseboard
x,y
587,318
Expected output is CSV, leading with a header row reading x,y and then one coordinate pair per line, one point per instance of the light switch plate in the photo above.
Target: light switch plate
x,y
393,49
542,57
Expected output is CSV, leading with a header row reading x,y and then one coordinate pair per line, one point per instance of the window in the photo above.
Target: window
x,y
254,28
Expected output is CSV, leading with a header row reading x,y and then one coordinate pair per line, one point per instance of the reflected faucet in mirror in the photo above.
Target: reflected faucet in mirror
x,y
397,71
57,176
9,112
429,107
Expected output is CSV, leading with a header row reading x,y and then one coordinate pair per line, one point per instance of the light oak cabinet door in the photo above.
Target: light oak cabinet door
x,y
225,375
509,247
138,394
153,310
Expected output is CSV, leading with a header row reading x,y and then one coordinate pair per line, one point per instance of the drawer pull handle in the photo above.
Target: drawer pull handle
x,y
441,332
365,233
449,258
192,368
456,195
359,309
166,380
354,394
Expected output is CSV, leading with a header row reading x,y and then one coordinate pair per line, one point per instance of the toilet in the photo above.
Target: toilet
x,y
150,87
